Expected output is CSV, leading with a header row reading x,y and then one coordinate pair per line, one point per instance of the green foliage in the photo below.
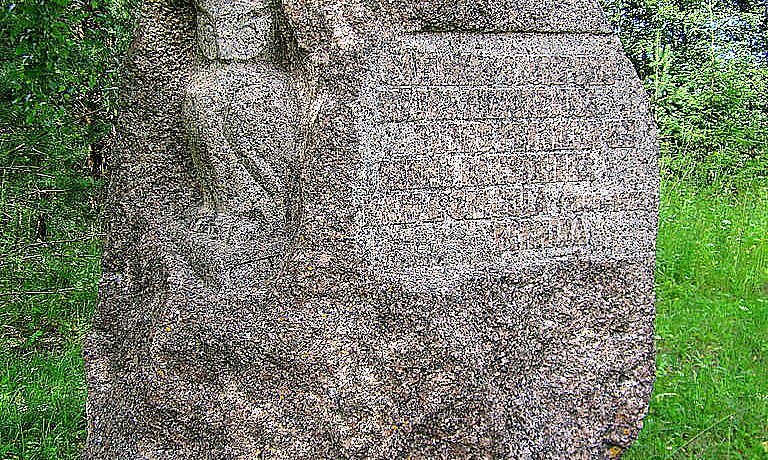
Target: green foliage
x,y
57,63
705,65
715,129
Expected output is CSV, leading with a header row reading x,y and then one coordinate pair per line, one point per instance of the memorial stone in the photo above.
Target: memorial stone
x,y
376,229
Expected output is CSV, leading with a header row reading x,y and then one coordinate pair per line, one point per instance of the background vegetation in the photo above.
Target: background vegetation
x,y
58,76
705,65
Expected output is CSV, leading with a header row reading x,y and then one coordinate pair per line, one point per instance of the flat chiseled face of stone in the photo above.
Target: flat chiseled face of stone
x,y
497,151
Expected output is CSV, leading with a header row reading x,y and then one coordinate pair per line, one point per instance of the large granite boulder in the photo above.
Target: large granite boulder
x,y
376,229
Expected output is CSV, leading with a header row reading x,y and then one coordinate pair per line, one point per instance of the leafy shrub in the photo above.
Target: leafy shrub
x,y
705,66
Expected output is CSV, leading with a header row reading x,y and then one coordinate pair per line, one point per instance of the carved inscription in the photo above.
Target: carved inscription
x,y
473,159
473,170
428,245
424,69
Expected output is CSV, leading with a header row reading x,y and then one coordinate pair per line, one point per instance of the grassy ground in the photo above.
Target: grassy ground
x,y
49,268
711,398
711,395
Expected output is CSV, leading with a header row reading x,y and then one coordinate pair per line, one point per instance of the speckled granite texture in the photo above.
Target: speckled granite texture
x,y
376,229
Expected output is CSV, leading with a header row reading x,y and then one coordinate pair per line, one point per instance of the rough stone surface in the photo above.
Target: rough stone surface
x,y
376,229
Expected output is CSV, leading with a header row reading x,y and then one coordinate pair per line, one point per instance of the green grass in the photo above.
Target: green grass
x,y
711,394
42,413
711,397
49,269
